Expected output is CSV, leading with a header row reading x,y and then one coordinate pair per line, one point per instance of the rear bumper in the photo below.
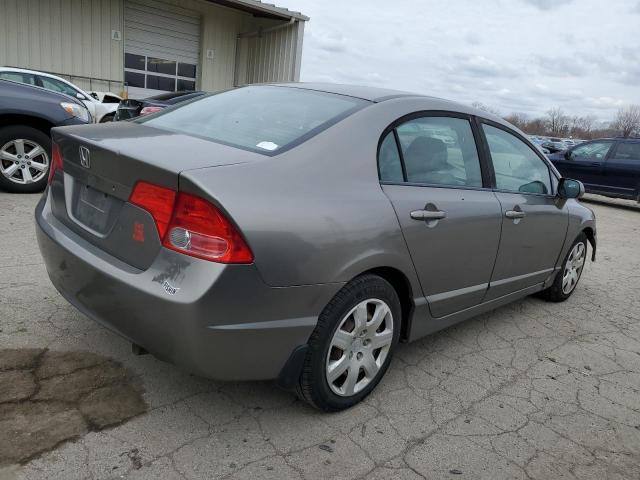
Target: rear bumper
x,y
219,321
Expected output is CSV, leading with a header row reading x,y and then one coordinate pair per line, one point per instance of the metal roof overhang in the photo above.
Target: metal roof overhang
x,y
259,9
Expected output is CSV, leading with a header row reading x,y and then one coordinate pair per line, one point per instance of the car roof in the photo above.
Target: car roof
x,y
42,74
372,94
35,72
377,95
42,91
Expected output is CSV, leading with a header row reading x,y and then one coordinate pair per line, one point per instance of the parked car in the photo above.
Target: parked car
x,y
300,231
106,97
100,112
555,145
132,108
608,166
537,141
26,116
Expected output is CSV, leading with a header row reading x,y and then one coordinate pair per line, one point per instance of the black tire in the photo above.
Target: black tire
x,y
554,293
313,386
109,117
14,132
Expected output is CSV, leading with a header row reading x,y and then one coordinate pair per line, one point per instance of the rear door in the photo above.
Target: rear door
x,y
586,163
430,170
534,220
622,169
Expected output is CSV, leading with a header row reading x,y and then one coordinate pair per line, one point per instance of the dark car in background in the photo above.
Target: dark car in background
x,y
132,108
608,166
27,114
554,145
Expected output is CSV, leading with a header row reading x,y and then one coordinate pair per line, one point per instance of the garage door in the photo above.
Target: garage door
x,y
162,48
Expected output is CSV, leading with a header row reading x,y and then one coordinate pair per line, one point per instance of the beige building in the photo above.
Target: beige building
x,y
145,47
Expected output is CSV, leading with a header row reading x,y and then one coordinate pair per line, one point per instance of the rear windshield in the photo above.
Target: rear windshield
x,y
264,119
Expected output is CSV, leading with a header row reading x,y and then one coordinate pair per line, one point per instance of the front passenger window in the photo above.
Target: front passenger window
x,y
517,167
56,86
591,151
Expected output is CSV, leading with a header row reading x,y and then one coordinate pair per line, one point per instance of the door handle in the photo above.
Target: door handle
x,y
514,214
428,215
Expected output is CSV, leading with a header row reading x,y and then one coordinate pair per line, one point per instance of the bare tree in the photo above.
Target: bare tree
x,y
627,121
581,127
520,120
557,122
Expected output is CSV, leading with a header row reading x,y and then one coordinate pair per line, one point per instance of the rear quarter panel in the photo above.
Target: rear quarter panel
x,y
316,213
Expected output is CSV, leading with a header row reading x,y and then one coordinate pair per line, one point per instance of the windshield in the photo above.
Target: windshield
x,y
264,119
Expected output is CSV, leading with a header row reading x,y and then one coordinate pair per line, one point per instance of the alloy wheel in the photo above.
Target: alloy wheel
x,y
359,347
573,268
23,161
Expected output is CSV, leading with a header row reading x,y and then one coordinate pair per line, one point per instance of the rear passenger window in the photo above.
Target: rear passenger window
x,y
389,160
517,167
18,77
439,151
628,151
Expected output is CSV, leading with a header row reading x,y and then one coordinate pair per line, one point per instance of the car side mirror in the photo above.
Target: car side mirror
x,y
568,154
568,188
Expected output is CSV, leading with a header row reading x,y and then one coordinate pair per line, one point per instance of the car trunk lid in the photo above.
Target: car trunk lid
x,y
101,166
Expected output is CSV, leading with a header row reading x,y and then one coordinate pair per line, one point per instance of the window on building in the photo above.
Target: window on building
x,y
156,73
161,83
134,79
186,70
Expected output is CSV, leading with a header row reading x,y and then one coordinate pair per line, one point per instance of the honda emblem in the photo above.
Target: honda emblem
x,y
84,157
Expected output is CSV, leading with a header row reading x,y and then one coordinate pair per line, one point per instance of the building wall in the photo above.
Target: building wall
x,y
73,37
63,36
272,56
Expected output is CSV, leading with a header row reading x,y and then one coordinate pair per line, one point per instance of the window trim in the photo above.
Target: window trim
x,y
392,127
552,170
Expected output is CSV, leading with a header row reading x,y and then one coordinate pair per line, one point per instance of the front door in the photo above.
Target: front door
x,y
534,220
450,222
586,163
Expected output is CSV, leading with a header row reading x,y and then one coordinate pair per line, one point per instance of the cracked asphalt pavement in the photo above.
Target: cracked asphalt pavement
x,y
533,390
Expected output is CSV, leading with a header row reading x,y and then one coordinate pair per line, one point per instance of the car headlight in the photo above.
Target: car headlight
x,y
76,110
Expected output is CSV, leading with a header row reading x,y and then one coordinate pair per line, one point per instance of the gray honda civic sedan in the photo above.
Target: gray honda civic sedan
x,y
299,232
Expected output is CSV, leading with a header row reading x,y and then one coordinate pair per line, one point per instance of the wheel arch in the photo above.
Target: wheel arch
x,y
401,284
591,236
39,123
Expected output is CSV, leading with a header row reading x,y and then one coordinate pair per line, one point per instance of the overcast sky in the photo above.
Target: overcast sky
x,y
514,55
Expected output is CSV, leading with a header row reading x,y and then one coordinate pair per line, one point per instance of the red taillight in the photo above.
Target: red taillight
x,y
56,161
191,225
148,110
156,200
